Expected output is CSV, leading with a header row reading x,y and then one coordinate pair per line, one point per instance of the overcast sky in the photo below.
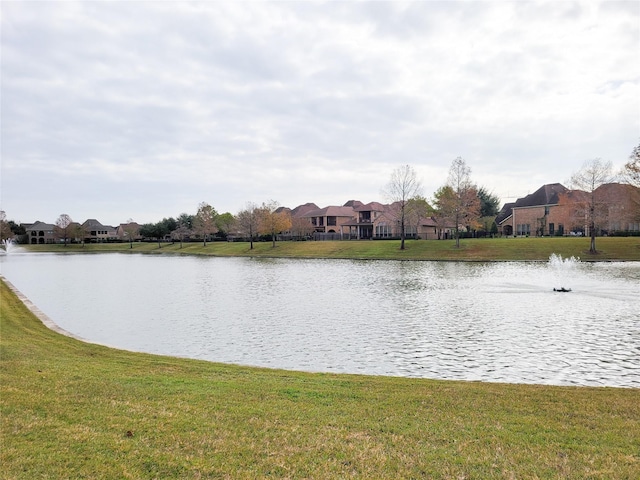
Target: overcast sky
x,y
118,110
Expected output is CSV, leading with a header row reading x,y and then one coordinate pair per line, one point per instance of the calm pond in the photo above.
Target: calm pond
x,y
498,322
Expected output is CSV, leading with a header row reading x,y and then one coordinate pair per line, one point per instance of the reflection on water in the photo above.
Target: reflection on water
x,y
472,321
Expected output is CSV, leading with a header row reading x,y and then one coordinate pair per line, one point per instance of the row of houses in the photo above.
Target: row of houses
x,y
551,210
374,220
91,230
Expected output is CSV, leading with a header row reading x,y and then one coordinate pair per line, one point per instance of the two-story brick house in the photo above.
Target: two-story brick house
x,y
555,210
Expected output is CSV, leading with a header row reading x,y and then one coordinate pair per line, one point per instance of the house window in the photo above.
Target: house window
x,y
331,221
383,230
546,210
552,229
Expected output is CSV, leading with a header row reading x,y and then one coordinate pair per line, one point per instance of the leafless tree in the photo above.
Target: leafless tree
x,y
631,170
205,221
5,229
301,227
593,174
458,200
403,186
63,228
131,231
247,221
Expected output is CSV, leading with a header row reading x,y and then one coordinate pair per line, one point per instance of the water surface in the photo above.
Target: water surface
x,y
471,321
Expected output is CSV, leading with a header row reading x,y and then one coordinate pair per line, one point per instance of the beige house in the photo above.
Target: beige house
x,y
40,233
96,232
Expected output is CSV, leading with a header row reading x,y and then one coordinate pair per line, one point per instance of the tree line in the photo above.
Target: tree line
x,y
459,205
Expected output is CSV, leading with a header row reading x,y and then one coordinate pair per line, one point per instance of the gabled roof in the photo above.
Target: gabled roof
x,y
301,210
92,223
330,211
38,225
505,213
545,195
370,207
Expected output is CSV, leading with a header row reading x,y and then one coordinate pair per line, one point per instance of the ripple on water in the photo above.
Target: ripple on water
x,y
490,322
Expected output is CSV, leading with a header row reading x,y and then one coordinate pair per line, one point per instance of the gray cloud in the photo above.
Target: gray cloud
x,y
144,109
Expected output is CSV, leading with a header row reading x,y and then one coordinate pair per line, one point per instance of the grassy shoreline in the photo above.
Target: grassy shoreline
x,y
500,249
76,410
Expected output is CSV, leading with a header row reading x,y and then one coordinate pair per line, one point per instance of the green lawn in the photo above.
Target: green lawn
x,y
610,248
69,409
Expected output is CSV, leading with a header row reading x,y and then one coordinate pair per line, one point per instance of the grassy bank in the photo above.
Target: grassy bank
x,y
610,248
76,410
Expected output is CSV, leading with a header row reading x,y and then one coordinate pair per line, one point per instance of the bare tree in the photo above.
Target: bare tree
x,y
418,208
5,228
131,231
402,187
272,220
247,221
205,221
631,170
301,227
184,228
80,231
63,228
458,201
594,173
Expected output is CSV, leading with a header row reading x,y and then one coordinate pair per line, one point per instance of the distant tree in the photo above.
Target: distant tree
x,y
458,201
441,198
247,221
225,222
186,220
131,231
593,174
418,208
631,170
17,229
301,227
204,222
489,204
5,228
403,186
170,224
80,231
273,221
62,230
154,230
184,228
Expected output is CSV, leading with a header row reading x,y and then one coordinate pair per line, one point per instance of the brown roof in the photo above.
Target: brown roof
x,y
545,195
330,211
